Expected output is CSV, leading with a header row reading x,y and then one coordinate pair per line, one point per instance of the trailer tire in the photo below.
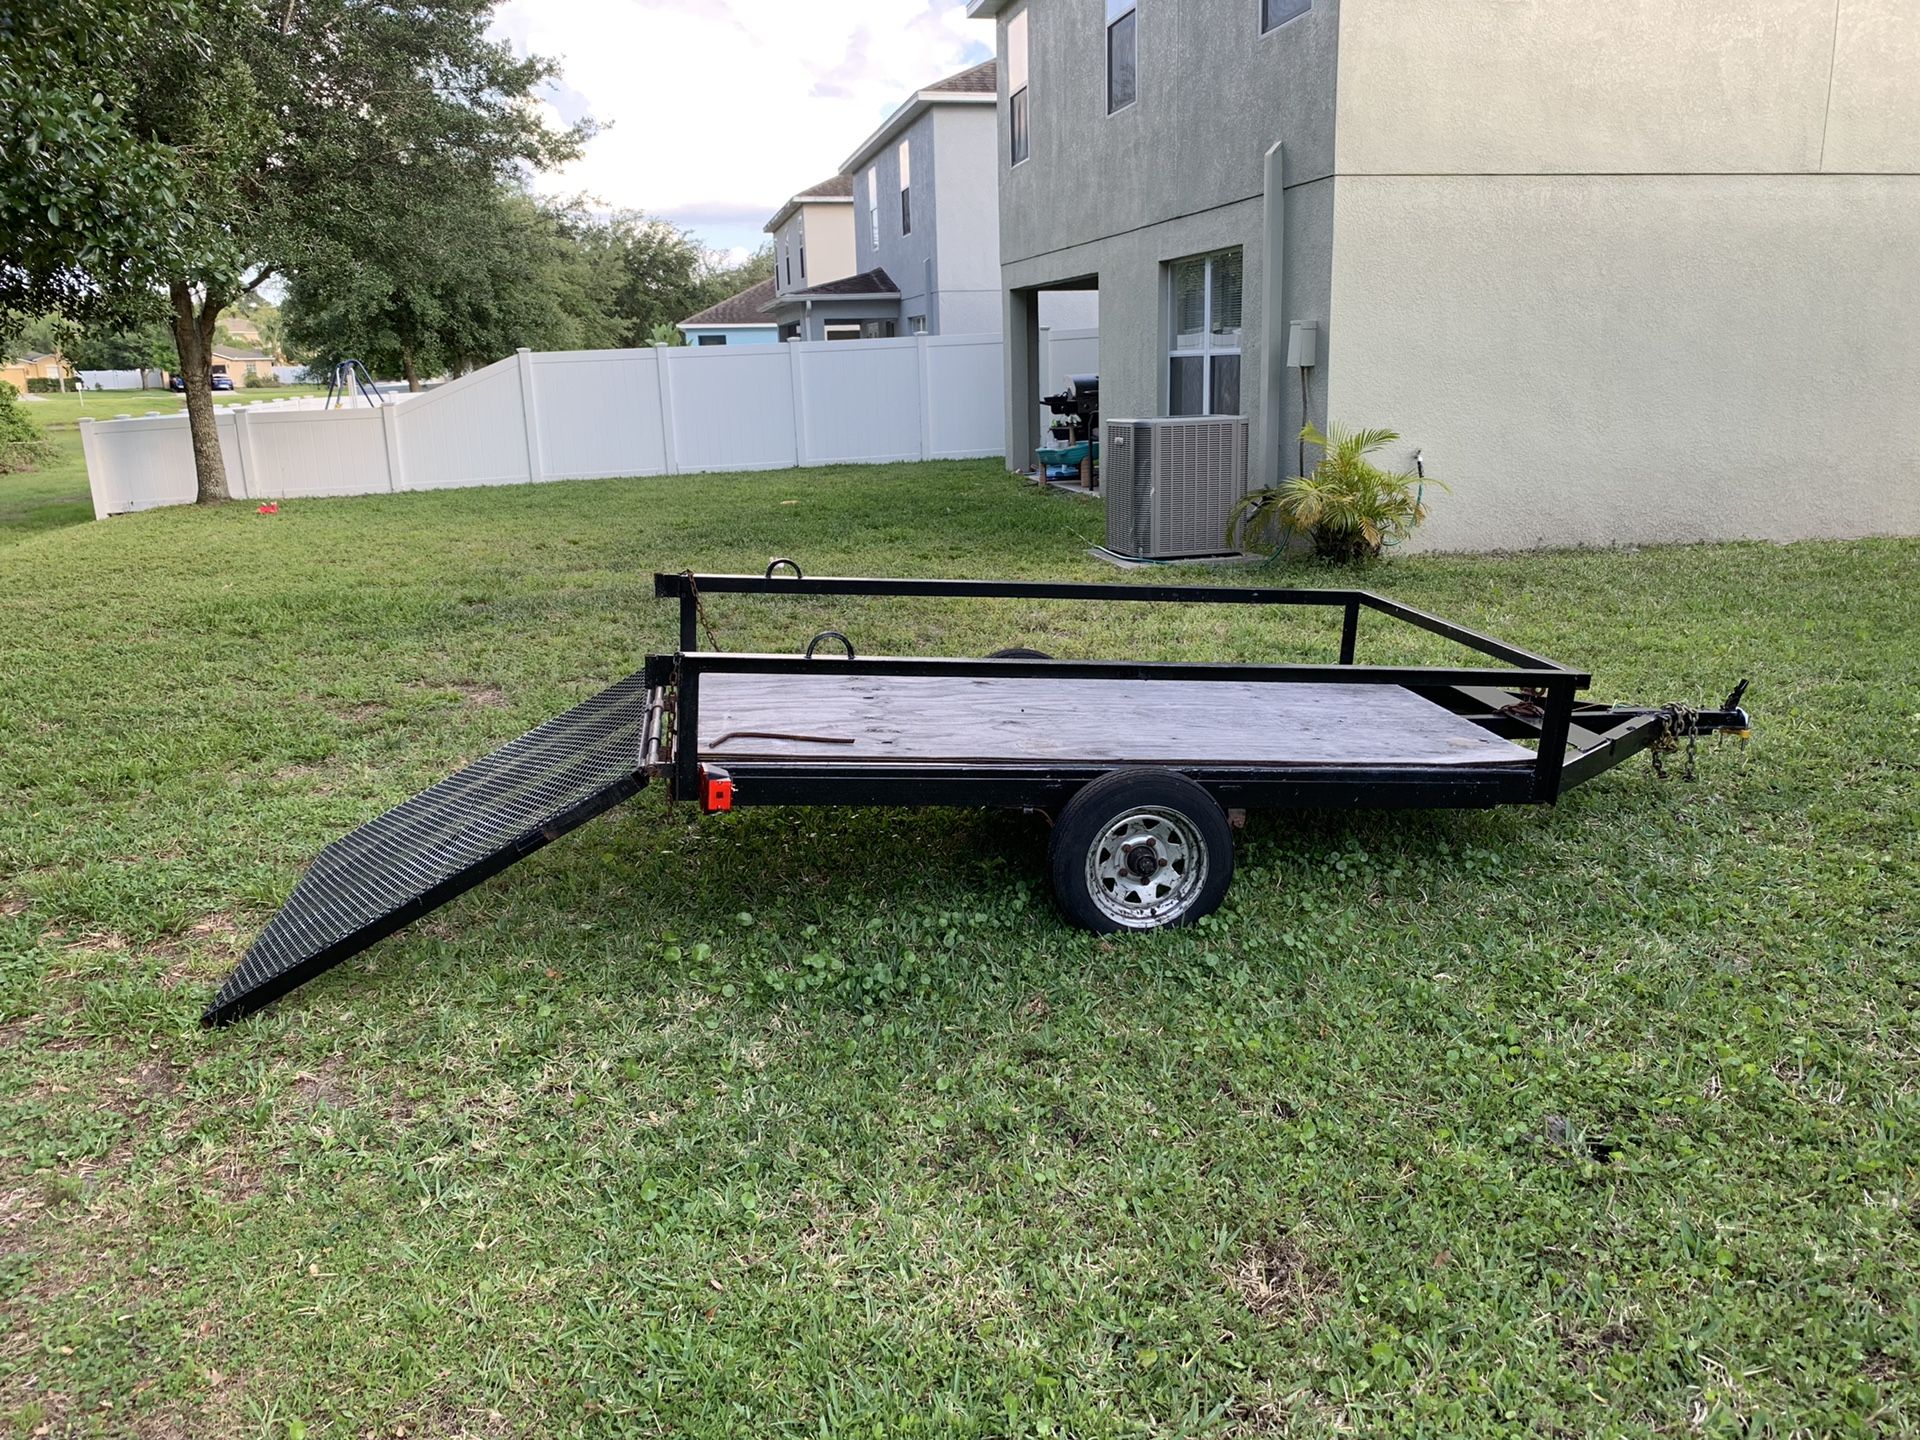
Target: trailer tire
x,y
1019,652
1140,849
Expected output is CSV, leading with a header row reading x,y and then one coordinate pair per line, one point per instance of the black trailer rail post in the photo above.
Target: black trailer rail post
x,y
1142,796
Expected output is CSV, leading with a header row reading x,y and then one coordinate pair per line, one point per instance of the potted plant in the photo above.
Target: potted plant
x,y
1348,507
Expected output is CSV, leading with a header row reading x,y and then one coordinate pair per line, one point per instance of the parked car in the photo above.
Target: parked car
x,y
223,382
178,382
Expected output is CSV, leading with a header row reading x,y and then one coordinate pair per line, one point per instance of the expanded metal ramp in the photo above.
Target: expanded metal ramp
x,y
445,840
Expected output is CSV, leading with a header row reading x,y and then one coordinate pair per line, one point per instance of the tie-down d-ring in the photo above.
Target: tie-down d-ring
x,y
814,643
779,560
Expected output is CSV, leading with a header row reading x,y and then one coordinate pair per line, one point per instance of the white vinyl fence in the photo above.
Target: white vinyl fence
x,y
585,414
116,379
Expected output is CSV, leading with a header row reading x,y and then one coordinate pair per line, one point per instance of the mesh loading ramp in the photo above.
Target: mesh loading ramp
x,y
445,840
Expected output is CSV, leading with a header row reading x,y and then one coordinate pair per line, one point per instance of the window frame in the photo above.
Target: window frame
x,y
873,210
1019,107
1208,349
1118,12
1268,24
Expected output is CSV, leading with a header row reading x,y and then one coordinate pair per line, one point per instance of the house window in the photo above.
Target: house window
x,y
786,259
803,259
1120,54
842,332
1017,87
876,329
1274,13
916,324
906,190
1203,361
713,340
873,207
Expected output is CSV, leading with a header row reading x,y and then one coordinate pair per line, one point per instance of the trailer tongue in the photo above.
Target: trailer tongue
x,y
1137,761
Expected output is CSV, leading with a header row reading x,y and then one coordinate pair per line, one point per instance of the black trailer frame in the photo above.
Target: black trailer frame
x,y
1525,696
508,804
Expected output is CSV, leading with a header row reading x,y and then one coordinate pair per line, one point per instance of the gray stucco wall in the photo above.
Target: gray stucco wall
x,y
948,266
908,258
1121,196
1637,272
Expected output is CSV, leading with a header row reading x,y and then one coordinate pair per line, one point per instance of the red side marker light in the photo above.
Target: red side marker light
x,y
716,790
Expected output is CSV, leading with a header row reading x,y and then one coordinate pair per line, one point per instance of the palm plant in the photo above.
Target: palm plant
x,y
1348,507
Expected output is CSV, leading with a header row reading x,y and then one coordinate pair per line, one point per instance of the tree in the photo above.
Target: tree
x,y
143,348
479,274
662,274
198,147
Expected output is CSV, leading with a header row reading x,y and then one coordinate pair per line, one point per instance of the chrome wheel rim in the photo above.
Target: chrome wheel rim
x,y
1146,867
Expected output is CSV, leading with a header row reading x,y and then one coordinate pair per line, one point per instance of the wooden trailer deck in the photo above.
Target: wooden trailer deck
x,y
930,719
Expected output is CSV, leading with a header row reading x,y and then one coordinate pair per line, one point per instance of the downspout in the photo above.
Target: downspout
x,y
1268,444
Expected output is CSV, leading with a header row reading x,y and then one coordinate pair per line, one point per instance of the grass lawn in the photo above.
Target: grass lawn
x,y
56,495
1600,1119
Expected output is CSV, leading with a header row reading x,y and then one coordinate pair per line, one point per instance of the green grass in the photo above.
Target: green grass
x,y
1599,1119
56,494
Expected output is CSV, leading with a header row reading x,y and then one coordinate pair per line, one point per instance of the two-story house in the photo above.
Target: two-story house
x,y
1638,271
817,293
926,210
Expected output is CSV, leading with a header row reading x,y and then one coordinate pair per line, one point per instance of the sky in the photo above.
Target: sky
x,y
715,111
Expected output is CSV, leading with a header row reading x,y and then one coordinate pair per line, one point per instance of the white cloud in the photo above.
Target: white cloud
x,y
717,110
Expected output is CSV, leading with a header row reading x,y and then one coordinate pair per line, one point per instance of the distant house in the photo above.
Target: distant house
x,y
242,330
812,246
237,362
42,365
741,319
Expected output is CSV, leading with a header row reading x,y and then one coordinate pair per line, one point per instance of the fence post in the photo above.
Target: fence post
x,y
797,373
530,415
664,386
243,452
396,462
97,481
926,395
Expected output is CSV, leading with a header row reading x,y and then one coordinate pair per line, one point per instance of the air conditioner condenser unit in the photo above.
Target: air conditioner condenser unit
x,y
1171,485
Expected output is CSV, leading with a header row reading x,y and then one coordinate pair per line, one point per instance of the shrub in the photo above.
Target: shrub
x,y
22,446
260,380
1348,507
46,385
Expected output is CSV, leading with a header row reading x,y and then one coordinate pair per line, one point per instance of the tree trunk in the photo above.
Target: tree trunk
x,y
406,362
193,338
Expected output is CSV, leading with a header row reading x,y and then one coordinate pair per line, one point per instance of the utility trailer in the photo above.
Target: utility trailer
x,y
1142,765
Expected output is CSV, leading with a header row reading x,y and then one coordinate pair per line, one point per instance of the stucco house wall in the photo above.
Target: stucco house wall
x,y
1114,199
730,334
1623,273
1635,272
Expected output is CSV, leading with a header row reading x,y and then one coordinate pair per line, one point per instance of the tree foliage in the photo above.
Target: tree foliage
x,y
475,275
144,347
22,445
196,147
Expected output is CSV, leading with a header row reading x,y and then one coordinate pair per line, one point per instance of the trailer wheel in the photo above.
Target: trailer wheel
x,y
1019,652
1140,849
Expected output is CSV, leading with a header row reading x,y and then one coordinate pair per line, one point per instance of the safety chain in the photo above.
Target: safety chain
x,y
700,608
1676,721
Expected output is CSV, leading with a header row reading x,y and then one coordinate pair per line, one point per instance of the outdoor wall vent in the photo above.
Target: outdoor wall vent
x,y
1171,483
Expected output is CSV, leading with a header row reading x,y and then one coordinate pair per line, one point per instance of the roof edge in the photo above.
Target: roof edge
x,y
786,211
917,105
